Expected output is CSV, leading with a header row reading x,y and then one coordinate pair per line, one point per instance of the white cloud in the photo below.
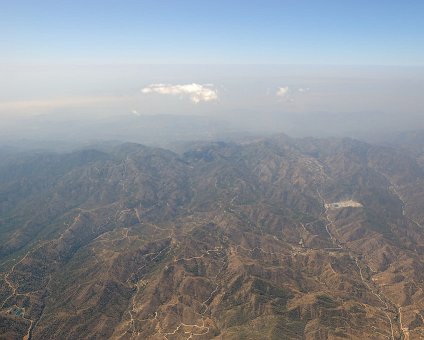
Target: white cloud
x,y
282,91
291,95
135,112
195,92
303,90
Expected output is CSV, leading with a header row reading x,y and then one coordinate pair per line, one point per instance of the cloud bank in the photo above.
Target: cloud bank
x,y
195,92
45,105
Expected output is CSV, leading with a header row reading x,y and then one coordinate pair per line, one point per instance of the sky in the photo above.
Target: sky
x,y
269,65
352,32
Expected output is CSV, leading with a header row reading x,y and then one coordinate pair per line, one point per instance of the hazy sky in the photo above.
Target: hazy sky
x,y
243,61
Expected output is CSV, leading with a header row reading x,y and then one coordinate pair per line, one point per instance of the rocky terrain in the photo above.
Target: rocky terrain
x,y
228,241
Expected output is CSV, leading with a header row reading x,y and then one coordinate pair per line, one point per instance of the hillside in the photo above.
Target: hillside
x,y
300,238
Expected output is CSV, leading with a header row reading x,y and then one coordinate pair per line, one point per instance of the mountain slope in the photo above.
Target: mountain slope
x,y
313,239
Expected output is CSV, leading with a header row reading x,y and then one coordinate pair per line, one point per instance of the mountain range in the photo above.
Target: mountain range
x,y
267,238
